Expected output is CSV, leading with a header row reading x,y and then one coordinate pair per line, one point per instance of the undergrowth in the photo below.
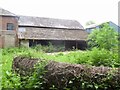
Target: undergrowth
x,y
94,57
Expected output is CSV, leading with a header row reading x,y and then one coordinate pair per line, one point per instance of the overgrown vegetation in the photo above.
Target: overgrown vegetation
x,y
49,48
103,52
12,80
104,37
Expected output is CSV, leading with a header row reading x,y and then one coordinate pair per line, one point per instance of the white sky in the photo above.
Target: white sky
x,y
81,10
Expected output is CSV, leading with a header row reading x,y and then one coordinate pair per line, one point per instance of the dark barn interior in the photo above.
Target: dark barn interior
x,y
68,44
82,45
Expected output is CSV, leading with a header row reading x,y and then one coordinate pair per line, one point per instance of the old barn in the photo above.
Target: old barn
x,y
37,30
31,31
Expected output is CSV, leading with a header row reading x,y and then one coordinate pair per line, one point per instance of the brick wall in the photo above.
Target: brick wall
x,y
6,20
8,38
1,41
0,23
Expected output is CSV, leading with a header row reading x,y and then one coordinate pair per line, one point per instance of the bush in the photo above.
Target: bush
x,y
98,57
105,37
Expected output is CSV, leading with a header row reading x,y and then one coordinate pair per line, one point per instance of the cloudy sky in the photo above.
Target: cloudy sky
x,y
82,10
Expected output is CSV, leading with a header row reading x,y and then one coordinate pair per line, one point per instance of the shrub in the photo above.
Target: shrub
x,y
98,57
105,37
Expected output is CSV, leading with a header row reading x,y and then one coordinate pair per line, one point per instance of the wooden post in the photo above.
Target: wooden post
x,y
64,45
76,44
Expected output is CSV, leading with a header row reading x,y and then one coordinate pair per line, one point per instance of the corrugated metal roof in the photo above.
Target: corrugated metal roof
x,y
4,12
51,34
49,22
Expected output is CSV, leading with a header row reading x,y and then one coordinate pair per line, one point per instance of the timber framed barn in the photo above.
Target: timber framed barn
x,y
30,31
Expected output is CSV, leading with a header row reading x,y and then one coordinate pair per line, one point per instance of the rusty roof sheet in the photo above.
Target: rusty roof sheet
x,y
49,22
4,12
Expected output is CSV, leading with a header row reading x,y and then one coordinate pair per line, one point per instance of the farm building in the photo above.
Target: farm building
x,y
30,31
8,29
90,28
37,30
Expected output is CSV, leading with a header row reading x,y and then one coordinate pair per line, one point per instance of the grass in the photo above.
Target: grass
x,y
0,67
94,57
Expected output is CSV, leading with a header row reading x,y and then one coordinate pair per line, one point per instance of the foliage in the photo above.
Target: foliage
x,y
86,82
0,68
104,53
96,57
90,22
35,80
104,37
50,48
10,79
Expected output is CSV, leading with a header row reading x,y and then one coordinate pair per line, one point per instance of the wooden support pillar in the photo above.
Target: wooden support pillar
x,y
64,44
76,44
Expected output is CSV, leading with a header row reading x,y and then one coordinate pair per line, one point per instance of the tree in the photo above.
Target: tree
x,y
104,37
90,23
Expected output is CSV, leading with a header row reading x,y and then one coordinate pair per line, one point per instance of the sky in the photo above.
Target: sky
x,y
81,10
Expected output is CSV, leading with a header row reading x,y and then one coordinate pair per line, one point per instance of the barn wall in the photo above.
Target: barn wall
x,y
9,41
0,23
1,38
8,38
9,19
